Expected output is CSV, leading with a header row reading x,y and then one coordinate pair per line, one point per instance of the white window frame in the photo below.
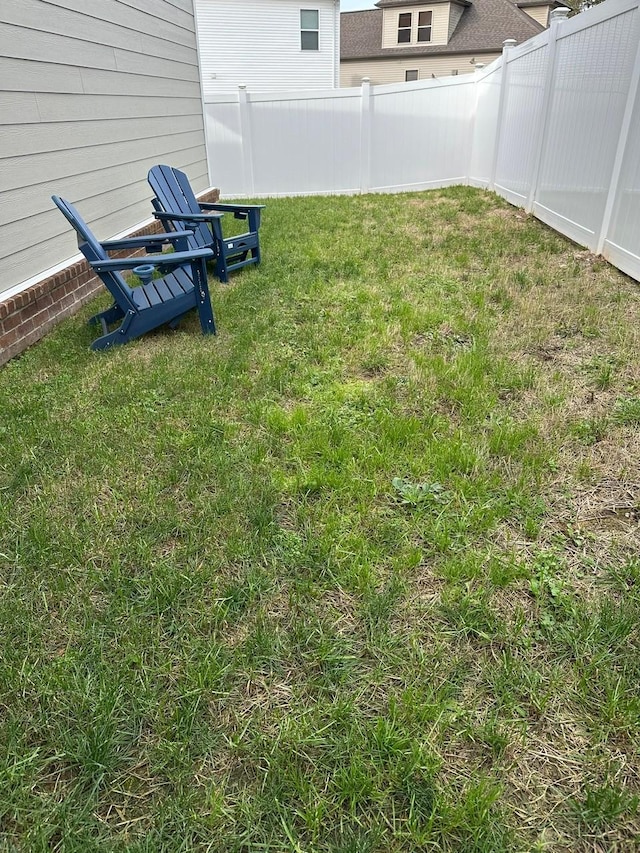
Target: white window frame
x,y
304,30
408,29
428,26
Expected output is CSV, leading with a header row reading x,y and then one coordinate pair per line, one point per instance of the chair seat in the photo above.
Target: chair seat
x,y
161,290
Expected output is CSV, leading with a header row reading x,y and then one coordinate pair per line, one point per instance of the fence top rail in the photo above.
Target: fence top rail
x,y
596,15
289,95
483,73
350,92
305,95
530,46
222,98
418,85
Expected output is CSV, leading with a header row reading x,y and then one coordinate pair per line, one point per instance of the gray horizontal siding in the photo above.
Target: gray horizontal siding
x,y
25,139
26,200
60,240
22,75
87,106
65,19
26,43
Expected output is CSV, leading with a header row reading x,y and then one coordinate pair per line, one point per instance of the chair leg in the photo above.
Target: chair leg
x,y
106,318
203,298
126,331
221,268
109,340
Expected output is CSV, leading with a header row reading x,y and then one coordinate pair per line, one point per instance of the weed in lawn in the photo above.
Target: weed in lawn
x,y
603,371
627,411
601,808
590,430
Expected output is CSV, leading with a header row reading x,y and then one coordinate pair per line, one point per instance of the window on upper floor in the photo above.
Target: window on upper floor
x,y
424,26
309,29
404,28
411,75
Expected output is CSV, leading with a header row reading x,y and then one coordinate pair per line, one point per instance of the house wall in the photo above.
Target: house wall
x,y
393,70
538,13
439,23
92,95
257,43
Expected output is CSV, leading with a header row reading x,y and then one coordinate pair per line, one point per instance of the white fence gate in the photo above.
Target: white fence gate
x,y
553,126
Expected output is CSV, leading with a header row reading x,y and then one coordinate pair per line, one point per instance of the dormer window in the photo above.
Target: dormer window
x,y
424,26
404,28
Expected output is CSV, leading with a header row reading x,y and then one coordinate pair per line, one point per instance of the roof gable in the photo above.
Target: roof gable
x,y
483,26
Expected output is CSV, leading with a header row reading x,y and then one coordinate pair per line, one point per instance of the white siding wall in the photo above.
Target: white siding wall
x,y
91,96
257,43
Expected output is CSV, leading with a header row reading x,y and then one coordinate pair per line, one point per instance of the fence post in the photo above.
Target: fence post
x,y
365,136
507,44
556,18
245,139
620,152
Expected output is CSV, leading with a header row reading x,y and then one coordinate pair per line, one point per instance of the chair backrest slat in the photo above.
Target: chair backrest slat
x,y
93,251
174,193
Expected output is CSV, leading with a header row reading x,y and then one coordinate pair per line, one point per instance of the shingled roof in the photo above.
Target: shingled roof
x,y
483,27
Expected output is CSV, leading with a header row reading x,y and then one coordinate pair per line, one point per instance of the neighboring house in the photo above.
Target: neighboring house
x,y
405,40
268,45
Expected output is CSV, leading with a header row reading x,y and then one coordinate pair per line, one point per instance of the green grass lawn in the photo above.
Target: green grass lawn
x,y
361,574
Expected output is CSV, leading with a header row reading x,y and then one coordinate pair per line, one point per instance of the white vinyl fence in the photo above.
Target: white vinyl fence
x,y
553,126
369,139
568,141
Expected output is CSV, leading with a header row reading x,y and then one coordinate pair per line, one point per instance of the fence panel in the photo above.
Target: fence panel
x,y
306,145
522,115
622,240
224,146
485,127
383,138
594,62
420,134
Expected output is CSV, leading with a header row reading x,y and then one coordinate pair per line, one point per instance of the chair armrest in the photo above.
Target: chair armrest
x,y
145,240
252,212
187,217
232,208
173,259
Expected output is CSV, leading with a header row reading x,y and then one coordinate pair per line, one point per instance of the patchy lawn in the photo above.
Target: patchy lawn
x,y
360,574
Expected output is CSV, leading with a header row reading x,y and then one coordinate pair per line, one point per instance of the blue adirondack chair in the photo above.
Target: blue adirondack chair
x,y
176,207
155,302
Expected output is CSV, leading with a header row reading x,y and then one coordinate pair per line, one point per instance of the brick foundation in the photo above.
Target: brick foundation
x,y
28,315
